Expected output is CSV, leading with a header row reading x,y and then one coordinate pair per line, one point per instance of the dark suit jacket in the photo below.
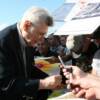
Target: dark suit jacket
x,y
13,83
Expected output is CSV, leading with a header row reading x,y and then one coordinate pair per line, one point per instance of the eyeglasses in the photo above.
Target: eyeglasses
x,y
39,33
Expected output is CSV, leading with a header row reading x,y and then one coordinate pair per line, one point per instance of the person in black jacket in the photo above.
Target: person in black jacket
x,y
19,78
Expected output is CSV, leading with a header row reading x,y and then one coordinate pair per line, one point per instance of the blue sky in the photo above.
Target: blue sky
x,y
12,10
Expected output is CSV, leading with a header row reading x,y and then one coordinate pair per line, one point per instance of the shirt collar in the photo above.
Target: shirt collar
x,y
22,41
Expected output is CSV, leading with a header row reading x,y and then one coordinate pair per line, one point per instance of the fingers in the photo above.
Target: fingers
x,y
61,66
67,75
57,82
90,94
58,86
52,82
57,79
65,72
75,91
80,93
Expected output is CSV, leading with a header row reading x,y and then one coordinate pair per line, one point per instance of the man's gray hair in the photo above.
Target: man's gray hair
x,y
37,15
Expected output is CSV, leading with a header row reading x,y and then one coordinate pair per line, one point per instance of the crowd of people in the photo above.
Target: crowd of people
x,y
86,84
20,79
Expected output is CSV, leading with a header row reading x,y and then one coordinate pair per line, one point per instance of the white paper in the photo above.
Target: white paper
x,y
82,20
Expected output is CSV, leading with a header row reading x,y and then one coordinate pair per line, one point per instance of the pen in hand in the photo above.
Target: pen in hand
x,y
64,66
69,86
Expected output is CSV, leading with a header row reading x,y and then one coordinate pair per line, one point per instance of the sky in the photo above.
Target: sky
x,y
11,11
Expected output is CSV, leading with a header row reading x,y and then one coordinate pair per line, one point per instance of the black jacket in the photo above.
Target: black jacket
x,y
13,83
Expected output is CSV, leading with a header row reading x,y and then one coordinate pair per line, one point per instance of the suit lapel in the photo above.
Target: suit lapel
x,y
16,46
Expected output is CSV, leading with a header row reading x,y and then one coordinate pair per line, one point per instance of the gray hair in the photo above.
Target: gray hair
x,y
37,15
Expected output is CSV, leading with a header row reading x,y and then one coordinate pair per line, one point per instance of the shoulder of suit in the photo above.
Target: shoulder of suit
x,y
7,31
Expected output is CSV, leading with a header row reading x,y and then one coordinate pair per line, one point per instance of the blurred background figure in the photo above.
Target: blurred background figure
x,y
43,49
54,43
89,47
76,45
96,58
63,39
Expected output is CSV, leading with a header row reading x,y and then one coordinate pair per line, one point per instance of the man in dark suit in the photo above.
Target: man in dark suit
x,y
19,78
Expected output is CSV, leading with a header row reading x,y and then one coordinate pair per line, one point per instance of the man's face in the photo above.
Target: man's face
x,y
35,34
51,41
63,40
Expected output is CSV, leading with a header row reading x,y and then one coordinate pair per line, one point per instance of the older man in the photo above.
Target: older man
x,y
19,79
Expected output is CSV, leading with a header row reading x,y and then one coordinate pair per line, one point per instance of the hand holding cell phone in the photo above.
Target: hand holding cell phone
x,y
69,86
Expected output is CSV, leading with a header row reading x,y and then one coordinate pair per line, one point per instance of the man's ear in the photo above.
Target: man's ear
x,y
27,25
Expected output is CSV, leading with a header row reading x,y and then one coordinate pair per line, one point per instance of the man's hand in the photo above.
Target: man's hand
x,y
85,85
77,77
52,82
